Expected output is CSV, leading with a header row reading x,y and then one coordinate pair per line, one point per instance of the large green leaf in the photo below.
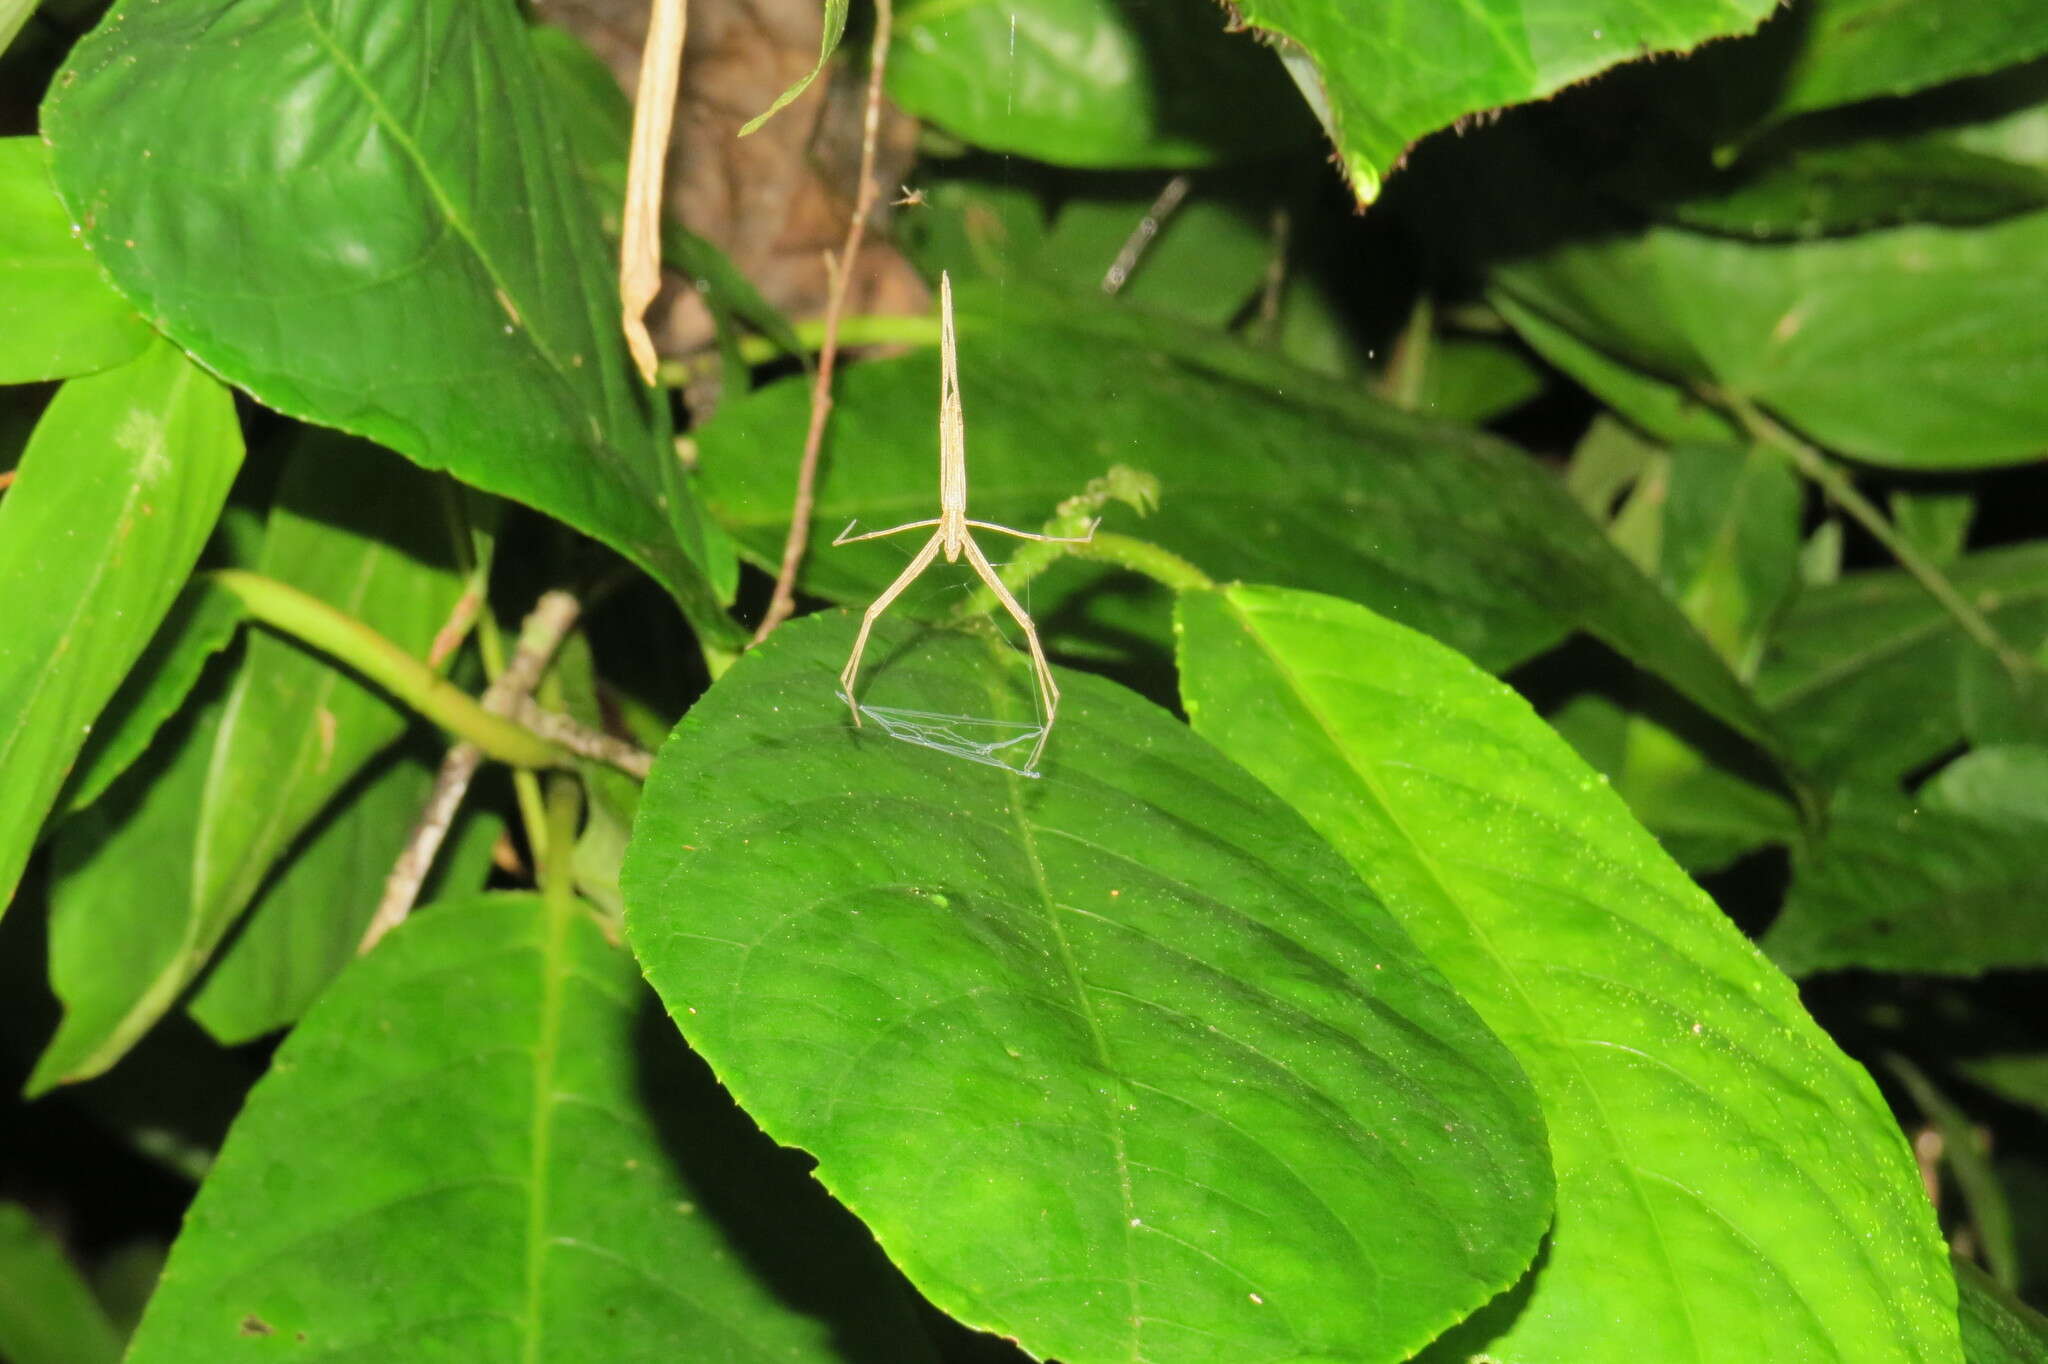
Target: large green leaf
x,y
1853,50
401,249
1123,1062
1922,347
1730,1186
295,729
58,315
111,504
1948,882
467,1151
1092,82
1268,471
47,1314
1870,676
1383,73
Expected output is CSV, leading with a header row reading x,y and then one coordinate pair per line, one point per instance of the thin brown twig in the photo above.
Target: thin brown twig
x,y
583,741
802,506
1141,236
542,633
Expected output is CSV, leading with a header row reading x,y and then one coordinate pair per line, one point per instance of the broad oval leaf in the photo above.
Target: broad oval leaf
x,y
1267,471
463,1153
401,248
1101,83
1383,73
58,315
111,503
1123,1062
1730,1186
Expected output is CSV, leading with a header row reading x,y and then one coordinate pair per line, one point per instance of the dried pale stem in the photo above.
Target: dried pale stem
x,y
541,634
654,107
1842,491
593,744
783,602
1141,236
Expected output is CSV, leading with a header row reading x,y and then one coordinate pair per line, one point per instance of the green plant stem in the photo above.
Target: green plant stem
x,y
525,789
866,330
313,622
1841,490
1142,556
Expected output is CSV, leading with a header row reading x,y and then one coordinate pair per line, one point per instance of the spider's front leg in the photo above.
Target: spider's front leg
x,y
851,672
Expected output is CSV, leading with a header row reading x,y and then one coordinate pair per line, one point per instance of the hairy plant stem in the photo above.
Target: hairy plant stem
x,y
1836,483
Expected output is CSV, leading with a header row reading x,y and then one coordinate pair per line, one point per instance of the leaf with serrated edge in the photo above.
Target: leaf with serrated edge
x,y
1730,1186
1386,72
1121,1062
456,1156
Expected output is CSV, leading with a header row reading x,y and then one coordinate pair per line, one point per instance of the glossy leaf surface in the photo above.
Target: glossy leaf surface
x,y
1730,1186
58,315
111,503
404,251
1382,74
468,1111
1267,471
1121,1062
1100,83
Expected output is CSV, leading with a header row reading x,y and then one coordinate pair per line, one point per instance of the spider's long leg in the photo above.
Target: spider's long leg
x,y
1032,535
860,642
845,539
1048,690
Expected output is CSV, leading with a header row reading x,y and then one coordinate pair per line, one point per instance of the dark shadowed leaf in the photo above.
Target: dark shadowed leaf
x,y
47,1313
1122,1062
58,315
1730,1186
1950,881
1869,676
112,502
402,249
467,1152
1997,1327
1920,347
